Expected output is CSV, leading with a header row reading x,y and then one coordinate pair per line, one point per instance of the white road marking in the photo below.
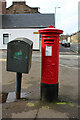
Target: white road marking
x,y
69,66
2,59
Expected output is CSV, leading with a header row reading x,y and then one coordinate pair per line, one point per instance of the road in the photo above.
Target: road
x,y
64,49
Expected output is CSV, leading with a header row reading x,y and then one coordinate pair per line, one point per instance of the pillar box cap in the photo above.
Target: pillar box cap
x,y
50,29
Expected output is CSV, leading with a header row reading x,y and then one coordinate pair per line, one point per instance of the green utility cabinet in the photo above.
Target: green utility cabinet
x,y
19,54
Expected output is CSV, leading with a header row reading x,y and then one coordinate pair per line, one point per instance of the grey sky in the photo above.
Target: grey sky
x,y
66,16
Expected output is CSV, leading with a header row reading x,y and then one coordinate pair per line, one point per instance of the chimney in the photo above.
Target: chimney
x,y
2,7
15,2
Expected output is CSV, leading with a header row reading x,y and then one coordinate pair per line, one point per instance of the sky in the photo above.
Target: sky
x,y
66,15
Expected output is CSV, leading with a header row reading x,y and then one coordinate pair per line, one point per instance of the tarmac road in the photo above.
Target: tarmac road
x,y
32,107
64,49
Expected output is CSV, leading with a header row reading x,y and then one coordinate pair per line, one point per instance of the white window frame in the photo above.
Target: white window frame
x,y
7,36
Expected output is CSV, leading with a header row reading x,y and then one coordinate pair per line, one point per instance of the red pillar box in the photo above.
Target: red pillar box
x,y
50,62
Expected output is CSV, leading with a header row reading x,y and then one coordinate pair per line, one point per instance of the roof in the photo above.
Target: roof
x,y
75,33
12,21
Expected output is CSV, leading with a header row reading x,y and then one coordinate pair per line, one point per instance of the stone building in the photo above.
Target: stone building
x,y
17,7
2,7
75,40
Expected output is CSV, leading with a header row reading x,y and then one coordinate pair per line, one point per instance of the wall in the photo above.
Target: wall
x,y
15,33
74,47
79,15
2,7
20,8
75,42
74,38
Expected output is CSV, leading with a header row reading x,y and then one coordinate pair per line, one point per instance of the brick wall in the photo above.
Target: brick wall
x,y
75,38
20,8
2,7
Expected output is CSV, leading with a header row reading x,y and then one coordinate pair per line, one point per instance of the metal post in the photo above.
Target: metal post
x,y
55,15
18,85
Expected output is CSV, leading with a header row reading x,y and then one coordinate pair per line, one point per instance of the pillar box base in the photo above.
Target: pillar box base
x,y
49,92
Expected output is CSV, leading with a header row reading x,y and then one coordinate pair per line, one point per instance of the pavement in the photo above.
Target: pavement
x,y
31,107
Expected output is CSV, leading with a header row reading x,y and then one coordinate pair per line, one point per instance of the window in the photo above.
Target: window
x,y
5,38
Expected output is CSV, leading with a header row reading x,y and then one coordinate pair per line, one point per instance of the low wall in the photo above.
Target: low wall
x,y
75,47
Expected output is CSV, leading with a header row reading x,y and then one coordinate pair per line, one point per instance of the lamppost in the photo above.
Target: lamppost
x,y
55,14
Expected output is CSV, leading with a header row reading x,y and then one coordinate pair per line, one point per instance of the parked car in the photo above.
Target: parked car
x,y
60,42
63,42
67,44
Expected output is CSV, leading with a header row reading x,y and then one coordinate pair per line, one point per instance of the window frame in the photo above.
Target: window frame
x,y
5,35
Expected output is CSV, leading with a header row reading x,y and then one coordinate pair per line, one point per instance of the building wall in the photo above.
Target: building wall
x,y
31,34
79,37
2,7
74,38
20,8
79,15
